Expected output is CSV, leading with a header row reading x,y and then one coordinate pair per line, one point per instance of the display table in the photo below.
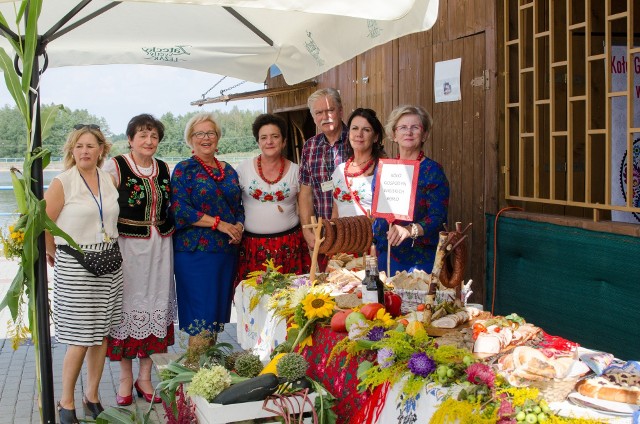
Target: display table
x,y
257,330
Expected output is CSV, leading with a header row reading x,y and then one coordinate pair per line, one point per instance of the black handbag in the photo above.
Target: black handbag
x,y
97,263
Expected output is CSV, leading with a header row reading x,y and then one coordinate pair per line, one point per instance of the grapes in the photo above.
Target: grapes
x,y
532,413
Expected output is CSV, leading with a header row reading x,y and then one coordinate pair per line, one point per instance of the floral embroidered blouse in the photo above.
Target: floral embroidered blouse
x,y
193,194
430,212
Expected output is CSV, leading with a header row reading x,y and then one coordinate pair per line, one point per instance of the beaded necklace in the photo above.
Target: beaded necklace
x,y
357,173
209,169
153,167
420,156
280,173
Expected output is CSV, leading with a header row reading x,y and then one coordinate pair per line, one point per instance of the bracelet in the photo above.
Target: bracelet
x,y
414,233
215,223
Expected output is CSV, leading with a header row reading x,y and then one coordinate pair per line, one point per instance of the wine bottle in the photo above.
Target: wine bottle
x,y
373,288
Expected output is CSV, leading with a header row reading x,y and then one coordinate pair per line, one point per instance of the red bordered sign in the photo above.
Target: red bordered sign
x,y
395,194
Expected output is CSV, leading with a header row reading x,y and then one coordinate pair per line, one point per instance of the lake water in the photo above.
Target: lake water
x,y
7,199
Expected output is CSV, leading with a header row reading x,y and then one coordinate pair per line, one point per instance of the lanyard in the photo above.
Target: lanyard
x,y
104,233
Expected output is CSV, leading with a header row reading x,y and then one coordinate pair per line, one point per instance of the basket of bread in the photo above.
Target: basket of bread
x,y
412,288
554,377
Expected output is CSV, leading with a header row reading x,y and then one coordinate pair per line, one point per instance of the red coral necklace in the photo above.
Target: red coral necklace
x,y
153,167
420,156
280,173
357,173
209,169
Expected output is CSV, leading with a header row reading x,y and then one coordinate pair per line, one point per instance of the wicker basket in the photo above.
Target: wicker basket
x,y
410,299
555,390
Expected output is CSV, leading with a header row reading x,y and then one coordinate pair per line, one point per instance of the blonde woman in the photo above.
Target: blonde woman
x,y
83,202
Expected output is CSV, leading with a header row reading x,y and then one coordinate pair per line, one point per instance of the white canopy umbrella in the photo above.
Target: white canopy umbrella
x,y
238,38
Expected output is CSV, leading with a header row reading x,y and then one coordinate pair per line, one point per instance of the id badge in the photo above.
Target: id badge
x,y
327,185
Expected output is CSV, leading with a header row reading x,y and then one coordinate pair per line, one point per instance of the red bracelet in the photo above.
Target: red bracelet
x,y
215,224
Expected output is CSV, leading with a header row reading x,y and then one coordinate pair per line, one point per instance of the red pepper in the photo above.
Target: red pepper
x,y
392,303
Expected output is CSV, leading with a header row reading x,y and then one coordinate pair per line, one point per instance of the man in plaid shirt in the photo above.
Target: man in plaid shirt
x,y
320,156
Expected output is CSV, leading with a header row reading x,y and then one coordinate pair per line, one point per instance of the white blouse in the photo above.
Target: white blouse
x,y
269,208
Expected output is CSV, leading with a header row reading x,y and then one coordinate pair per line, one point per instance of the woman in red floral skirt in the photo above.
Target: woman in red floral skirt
x,y
269,185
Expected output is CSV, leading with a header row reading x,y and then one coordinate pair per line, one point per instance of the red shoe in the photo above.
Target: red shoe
x,y
124,400
146,396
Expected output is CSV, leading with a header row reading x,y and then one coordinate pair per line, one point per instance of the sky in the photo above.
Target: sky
x,y
119,92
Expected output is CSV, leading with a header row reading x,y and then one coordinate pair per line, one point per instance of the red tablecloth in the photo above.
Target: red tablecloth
x,y
339,376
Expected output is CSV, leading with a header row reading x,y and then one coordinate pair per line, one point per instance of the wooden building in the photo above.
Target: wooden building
x,y
533,128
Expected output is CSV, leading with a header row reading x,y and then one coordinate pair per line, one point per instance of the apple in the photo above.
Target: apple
x,y
338,321
353,318
369,310
531,418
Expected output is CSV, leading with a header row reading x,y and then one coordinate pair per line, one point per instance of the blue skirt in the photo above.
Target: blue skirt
x,y
399,266
204,288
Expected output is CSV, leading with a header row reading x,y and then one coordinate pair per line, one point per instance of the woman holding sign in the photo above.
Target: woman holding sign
x,y
414,243
353,179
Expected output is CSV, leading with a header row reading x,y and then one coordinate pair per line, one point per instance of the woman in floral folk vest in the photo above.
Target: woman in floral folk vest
x,y
149,306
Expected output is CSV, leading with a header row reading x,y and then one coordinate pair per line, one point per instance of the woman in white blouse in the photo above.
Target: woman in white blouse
x,y
352,192
269,184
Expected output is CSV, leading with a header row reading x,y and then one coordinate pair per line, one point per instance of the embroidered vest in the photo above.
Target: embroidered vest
x,y
139,196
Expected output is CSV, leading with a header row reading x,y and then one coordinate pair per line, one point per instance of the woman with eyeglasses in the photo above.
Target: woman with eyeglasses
x,y
145,228
270,188
352,195
414,243
83,202
206,203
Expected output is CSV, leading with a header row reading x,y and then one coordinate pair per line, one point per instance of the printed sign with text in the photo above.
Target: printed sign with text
x,y
396,183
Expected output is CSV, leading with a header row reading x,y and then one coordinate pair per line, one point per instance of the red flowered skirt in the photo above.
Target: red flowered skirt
x,y
339,376
131,348
287,249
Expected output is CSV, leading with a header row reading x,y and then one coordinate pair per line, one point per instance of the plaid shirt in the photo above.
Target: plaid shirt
x,y
319,160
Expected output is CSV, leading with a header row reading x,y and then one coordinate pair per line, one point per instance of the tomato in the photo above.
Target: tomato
x,y
421,307
479,327
404,322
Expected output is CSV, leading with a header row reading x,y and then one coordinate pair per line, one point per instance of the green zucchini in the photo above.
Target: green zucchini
x,y
253,389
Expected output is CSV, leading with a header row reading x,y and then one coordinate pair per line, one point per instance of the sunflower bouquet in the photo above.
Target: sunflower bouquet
x,y
266,282
12,242
315,306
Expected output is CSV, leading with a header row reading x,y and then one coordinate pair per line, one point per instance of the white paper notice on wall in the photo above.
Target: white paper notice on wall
x,y
446,81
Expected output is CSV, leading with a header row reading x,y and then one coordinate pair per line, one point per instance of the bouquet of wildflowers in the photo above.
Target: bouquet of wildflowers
x,y
266,282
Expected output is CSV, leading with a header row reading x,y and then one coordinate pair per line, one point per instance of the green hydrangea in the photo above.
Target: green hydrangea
x,y
248,365
209,382
292,367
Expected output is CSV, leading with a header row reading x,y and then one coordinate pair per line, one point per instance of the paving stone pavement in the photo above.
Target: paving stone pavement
x,y
18,391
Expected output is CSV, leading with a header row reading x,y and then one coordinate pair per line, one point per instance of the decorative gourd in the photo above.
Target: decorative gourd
x,y
270,368
254,389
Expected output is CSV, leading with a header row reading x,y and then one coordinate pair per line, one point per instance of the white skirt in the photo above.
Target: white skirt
x,y
84,306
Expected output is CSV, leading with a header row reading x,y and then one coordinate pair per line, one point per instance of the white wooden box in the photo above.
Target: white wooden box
x,y
214,413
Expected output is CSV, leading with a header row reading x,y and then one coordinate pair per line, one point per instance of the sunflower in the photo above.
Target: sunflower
x,y
318,305
307,341
385,317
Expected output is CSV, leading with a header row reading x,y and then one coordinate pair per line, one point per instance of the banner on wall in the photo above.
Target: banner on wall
x,y
620,190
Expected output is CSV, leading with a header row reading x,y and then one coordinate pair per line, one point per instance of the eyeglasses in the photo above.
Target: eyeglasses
x,y
201,134
407,128
90,126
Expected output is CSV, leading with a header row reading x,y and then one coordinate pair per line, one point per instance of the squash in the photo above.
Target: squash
x,y
251,390
271,366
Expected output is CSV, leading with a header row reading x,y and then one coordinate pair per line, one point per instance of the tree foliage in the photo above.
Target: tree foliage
x,y
235,124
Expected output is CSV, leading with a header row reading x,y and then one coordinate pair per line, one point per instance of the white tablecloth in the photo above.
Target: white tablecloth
x,y
258,330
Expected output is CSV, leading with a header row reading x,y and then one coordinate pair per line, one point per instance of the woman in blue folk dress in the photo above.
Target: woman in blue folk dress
x,y
414,243
206,202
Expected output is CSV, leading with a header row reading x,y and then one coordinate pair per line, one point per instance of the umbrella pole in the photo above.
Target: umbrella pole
x,y
40,265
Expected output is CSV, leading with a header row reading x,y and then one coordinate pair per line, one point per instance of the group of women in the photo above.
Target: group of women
x,y
205,226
